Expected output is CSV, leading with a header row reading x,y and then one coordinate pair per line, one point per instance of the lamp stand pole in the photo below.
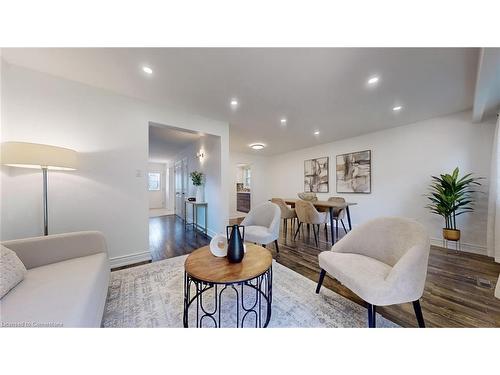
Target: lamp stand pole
x,y
45,204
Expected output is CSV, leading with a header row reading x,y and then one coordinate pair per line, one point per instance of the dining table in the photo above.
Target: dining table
x,y
330,206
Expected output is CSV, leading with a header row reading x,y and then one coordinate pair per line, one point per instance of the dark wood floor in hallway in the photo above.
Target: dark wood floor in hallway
x,y
453,296
168,239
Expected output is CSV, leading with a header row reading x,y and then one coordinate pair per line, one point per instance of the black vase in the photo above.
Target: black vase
x,y
235,250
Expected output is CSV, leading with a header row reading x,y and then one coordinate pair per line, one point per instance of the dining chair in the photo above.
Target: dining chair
x,y
384,261
307,214
262,224
287,213
309,196
338,214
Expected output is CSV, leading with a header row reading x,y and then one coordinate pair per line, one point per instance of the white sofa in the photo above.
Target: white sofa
x,y
66,284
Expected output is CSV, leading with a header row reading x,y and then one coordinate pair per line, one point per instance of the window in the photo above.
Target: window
x,y
154,181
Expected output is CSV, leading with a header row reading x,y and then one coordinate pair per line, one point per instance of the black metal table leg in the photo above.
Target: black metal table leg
x,y
332,231
348,217
263,293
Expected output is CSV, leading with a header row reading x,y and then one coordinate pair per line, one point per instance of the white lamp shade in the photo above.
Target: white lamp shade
x,y
33,155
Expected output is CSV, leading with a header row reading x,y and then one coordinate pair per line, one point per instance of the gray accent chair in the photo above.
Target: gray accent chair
x,y
262,224
384,261
66,284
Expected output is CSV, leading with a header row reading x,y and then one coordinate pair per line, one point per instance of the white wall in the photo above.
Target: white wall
x,y
403,159
259,190
210,166
108,192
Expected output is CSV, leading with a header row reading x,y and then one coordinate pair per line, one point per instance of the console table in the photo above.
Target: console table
x,y
194,223
208,280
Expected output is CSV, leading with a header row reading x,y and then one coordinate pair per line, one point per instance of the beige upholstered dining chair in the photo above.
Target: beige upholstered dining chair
x,y
338,214
287,213
262,224
307,213
384,261
309,196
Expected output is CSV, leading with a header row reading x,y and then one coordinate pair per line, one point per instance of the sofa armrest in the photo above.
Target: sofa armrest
x,y
39,251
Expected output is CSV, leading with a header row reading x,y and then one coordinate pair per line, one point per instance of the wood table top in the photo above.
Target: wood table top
x,y
322,203
201,264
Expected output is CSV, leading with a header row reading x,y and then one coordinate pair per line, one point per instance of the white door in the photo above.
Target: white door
x,y
180,171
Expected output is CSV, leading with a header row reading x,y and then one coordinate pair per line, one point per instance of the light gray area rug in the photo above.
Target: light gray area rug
x,y
152,296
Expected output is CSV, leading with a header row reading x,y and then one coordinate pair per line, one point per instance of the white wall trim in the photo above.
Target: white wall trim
x,y
124,260
467,247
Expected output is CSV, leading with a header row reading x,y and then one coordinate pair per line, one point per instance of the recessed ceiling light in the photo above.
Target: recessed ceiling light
x,y
283,121
234,102
147,70
397,108
373,80
257,146
316,132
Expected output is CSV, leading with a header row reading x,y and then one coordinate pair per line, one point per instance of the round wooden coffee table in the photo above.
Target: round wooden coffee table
x,y
250,282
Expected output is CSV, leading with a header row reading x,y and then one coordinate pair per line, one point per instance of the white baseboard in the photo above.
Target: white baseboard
x,y
125,260
467,247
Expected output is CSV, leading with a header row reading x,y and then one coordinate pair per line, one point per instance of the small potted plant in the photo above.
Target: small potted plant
x,y
197,179
450,197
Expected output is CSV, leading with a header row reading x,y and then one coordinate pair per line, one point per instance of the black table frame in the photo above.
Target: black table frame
x,y
261,285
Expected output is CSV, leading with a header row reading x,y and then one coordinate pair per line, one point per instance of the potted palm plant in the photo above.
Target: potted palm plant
x,y
451,196
197,179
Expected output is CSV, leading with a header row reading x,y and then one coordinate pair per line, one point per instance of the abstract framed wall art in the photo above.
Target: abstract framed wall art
x,y
316,179
354,172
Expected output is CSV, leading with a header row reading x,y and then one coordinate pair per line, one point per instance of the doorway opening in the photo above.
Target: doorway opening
x,y
173,155
243,187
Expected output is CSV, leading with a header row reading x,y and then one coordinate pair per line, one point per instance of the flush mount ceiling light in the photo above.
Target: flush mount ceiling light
x,y
257,146
283,121
147,70
397,108
234,103
373,80
316,132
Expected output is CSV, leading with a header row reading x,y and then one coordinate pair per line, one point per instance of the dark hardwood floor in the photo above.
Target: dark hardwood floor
x,y
167,238
453,297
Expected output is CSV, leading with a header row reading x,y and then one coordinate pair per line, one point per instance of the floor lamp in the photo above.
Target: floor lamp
x,y
37,156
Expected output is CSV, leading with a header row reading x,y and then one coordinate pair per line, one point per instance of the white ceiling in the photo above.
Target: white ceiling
x,y
166,142
316,88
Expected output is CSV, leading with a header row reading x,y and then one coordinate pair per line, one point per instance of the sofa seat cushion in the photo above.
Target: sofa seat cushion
x,y
365,276
258,234
71,293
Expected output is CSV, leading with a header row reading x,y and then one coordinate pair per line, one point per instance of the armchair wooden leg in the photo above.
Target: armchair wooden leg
x,y
298,229
277,247
372,314
320,281
315,236
418,313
